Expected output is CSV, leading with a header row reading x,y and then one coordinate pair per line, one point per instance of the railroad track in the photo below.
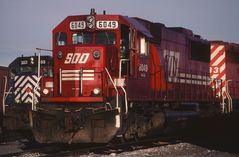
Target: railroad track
x,y
119,147
80,149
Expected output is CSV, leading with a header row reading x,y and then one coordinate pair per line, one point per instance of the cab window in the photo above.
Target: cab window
x,y
143,45
107,38
61,38
82,38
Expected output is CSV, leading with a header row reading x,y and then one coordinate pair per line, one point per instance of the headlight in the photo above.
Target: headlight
x,y
45,91
59,55
96,54
96,91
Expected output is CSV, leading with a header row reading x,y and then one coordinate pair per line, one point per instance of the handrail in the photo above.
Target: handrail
x,y
3,100
125,98
60,81
34,89
228,97
117,92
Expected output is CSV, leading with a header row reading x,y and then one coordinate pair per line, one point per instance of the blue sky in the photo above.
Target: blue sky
x,y
27,24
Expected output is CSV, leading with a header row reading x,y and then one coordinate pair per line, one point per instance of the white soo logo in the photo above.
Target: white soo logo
x,y
74,58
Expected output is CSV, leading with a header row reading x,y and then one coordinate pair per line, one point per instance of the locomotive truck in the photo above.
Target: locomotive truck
x,y
118,76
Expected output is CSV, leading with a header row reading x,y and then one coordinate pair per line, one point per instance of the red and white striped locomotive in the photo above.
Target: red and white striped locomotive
x,y
121,76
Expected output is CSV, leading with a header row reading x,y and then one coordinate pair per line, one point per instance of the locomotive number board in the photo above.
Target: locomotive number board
x,y
107,24
79,25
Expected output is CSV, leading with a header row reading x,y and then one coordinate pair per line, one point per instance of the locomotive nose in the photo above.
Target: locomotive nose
x,y
81,72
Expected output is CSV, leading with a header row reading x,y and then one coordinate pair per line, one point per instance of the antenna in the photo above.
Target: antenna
x,y
92,11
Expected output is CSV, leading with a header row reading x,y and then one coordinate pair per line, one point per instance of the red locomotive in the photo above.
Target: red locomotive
x,y
121,76
224,67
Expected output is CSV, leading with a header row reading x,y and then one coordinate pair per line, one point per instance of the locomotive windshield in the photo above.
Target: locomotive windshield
x,y
28,69
99,37
107,38
82,38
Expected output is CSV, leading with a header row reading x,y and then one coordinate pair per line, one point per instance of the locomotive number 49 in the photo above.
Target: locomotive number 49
x,y
107,24
73,58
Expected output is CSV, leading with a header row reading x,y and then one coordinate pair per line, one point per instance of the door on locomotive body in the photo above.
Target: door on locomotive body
x,y
134,53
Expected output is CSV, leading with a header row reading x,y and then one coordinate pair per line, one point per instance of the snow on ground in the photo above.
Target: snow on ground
x,y
175,150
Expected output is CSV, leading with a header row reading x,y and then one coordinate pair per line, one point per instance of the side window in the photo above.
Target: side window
x,y
143,46
61,38
200,51
124,42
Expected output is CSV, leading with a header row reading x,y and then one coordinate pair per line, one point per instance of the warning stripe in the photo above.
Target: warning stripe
x,y
23,88
74,75
218,68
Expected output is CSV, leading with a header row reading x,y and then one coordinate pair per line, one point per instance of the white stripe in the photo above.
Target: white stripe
x,y
28,85
20,79
77,71
197,82
88,71
28,100
219,60
213,54
117,121
223,67
88,75
26,94
212,46
15,78
223,77
77,79
77,75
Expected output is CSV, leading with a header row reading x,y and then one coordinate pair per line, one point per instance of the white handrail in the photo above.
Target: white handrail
x,y
34,90
228,97
125,98
3,100
60,83
117,92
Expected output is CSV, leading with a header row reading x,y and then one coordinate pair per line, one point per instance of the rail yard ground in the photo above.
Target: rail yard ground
x,y
214,137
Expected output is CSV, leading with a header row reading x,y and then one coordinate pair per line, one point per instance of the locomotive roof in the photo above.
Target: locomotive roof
x,y
15,61
129,20
232,46
139,26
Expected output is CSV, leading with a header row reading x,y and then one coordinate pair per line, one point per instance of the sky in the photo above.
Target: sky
x,y
27,24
